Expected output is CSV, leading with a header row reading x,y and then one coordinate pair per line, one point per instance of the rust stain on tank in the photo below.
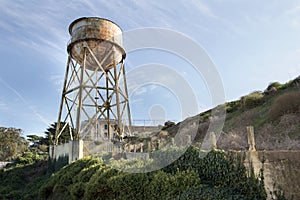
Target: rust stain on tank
x,y
102,36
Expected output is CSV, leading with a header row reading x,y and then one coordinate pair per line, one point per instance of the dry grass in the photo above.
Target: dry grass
x,y
285,104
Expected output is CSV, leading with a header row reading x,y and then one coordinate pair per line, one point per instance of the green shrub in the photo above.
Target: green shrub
x,y
232,106
167,159
215,169
31,190
211,193
54,165
275,85
130,185
167,186
77,190
252,100
215,176
62,181
16,179
27,158
12,194
205,116
181,160
98,187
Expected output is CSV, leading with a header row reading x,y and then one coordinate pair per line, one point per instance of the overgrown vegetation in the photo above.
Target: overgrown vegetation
x,y
252,100
22,179
215,176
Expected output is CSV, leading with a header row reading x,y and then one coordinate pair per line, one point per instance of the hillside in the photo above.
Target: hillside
x,y
274,113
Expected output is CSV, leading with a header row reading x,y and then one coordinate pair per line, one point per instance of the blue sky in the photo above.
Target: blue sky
x,y
251,43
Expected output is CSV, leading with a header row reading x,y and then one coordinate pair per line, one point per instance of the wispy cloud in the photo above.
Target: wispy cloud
x,y
42,26
22,99
203,8
57,80
3,105
38,28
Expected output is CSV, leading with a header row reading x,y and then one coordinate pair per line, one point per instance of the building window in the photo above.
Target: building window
x,y
105,126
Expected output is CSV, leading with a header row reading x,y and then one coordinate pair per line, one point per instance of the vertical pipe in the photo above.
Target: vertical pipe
x,y
97,107
120,127
127,102
107,108
62,101
79,108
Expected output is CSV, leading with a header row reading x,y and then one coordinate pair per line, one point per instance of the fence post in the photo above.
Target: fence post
x,y
251,139
213,140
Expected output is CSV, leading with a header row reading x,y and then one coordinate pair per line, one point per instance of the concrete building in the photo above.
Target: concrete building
x,y
98,130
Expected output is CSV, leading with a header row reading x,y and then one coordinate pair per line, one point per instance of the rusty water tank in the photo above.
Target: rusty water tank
x,y
102,36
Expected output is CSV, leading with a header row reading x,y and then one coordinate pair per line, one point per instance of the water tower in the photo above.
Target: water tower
x,y
94,102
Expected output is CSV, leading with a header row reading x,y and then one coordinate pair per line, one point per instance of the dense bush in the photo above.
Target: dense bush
x,y
232,106
275,85
22,182
168,186
195,174
29,158
91,179
59,185
252,100
133,165
205,115
172,160
98,187
285,104
56,164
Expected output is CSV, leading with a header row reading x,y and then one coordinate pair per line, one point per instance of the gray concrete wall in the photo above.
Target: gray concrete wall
x,y
75,150
72,149
282,168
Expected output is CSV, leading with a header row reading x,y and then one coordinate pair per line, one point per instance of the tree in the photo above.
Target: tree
x,y
12,144
63,138
38,143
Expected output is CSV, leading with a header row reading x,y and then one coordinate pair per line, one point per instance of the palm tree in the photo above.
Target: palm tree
x,y
64,137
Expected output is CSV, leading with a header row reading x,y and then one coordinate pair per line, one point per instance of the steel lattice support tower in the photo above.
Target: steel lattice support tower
x,y
95,88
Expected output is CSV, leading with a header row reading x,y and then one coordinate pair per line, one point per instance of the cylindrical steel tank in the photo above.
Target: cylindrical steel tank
x,y
102,36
